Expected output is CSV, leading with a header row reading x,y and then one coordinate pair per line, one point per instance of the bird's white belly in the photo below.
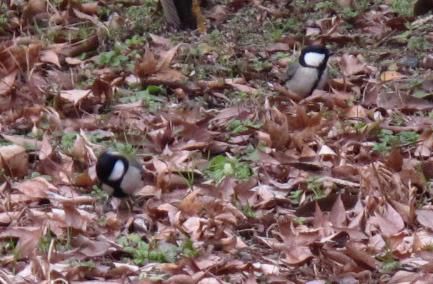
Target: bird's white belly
x,y
303,81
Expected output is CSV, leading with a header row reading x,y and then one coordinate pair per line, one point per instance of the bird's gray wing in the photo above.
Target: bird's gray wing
x,y
291,70
133,161
146,176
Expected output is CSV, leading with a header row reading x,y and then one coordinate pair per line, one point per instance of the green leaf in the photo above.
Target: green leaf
x,y
220,167
421,94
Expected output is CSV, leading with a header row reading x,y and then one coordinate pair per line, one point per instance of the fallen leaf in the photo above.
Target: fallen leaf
x,y
390,76
73,218
7,83
159,40
166,58
425,217
351,65
46,149
14,160
50,56
73,61
355,252
326,151
28,239
74,96
35,188
390,222
147,65
243,88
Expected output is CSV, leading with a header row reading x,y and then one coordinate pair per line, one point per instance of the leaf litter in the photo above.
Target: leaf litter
x,y
246,183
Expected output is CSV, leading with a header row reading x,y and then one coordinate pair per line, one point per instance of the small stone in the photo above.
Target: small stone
x,y
409,62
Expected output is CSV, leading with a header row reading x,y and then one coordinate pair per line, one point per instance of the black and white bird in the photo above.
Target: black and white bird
x,y
310,73
119,176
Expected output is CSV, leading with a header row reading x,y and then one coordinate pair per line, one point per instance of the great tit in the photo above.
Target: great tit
x,y
310,73
119,176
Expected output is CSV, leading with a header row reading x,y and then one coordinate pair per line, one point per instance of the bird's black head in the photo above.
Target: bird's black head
x,y
314,56
111,167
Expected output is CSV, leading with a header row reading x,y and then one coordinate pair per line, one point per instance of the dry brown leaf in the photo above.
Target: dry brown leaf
x,y
77,48
390,76
425,217
243,88
181,279
166,58
74,96
337,216
91,248
50,56
276,125
7,217
326,151
7,83
89,8
390,222
73,61
351,65
73,218
424,148
356,112
395,160
159,40
46,148
278,46
192,204
33,8
80,150
207,261
14,160
147,65
297,255
36,188
28,239
355,252
168,77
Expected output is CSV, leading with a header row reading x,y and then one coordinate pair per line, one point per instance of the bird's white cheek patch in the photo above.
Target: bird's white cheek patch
x,y
117,172
314,58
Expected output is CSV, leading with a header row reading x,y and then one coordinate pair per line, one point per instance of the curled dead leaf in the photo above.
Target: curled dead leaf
x,y
354,251
50,56
73,218
7,83
277,127
14,160
425,217
74,96
147,65
166,58
390,76
28,239
390,221
35,188
326,151
352,65
46,148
